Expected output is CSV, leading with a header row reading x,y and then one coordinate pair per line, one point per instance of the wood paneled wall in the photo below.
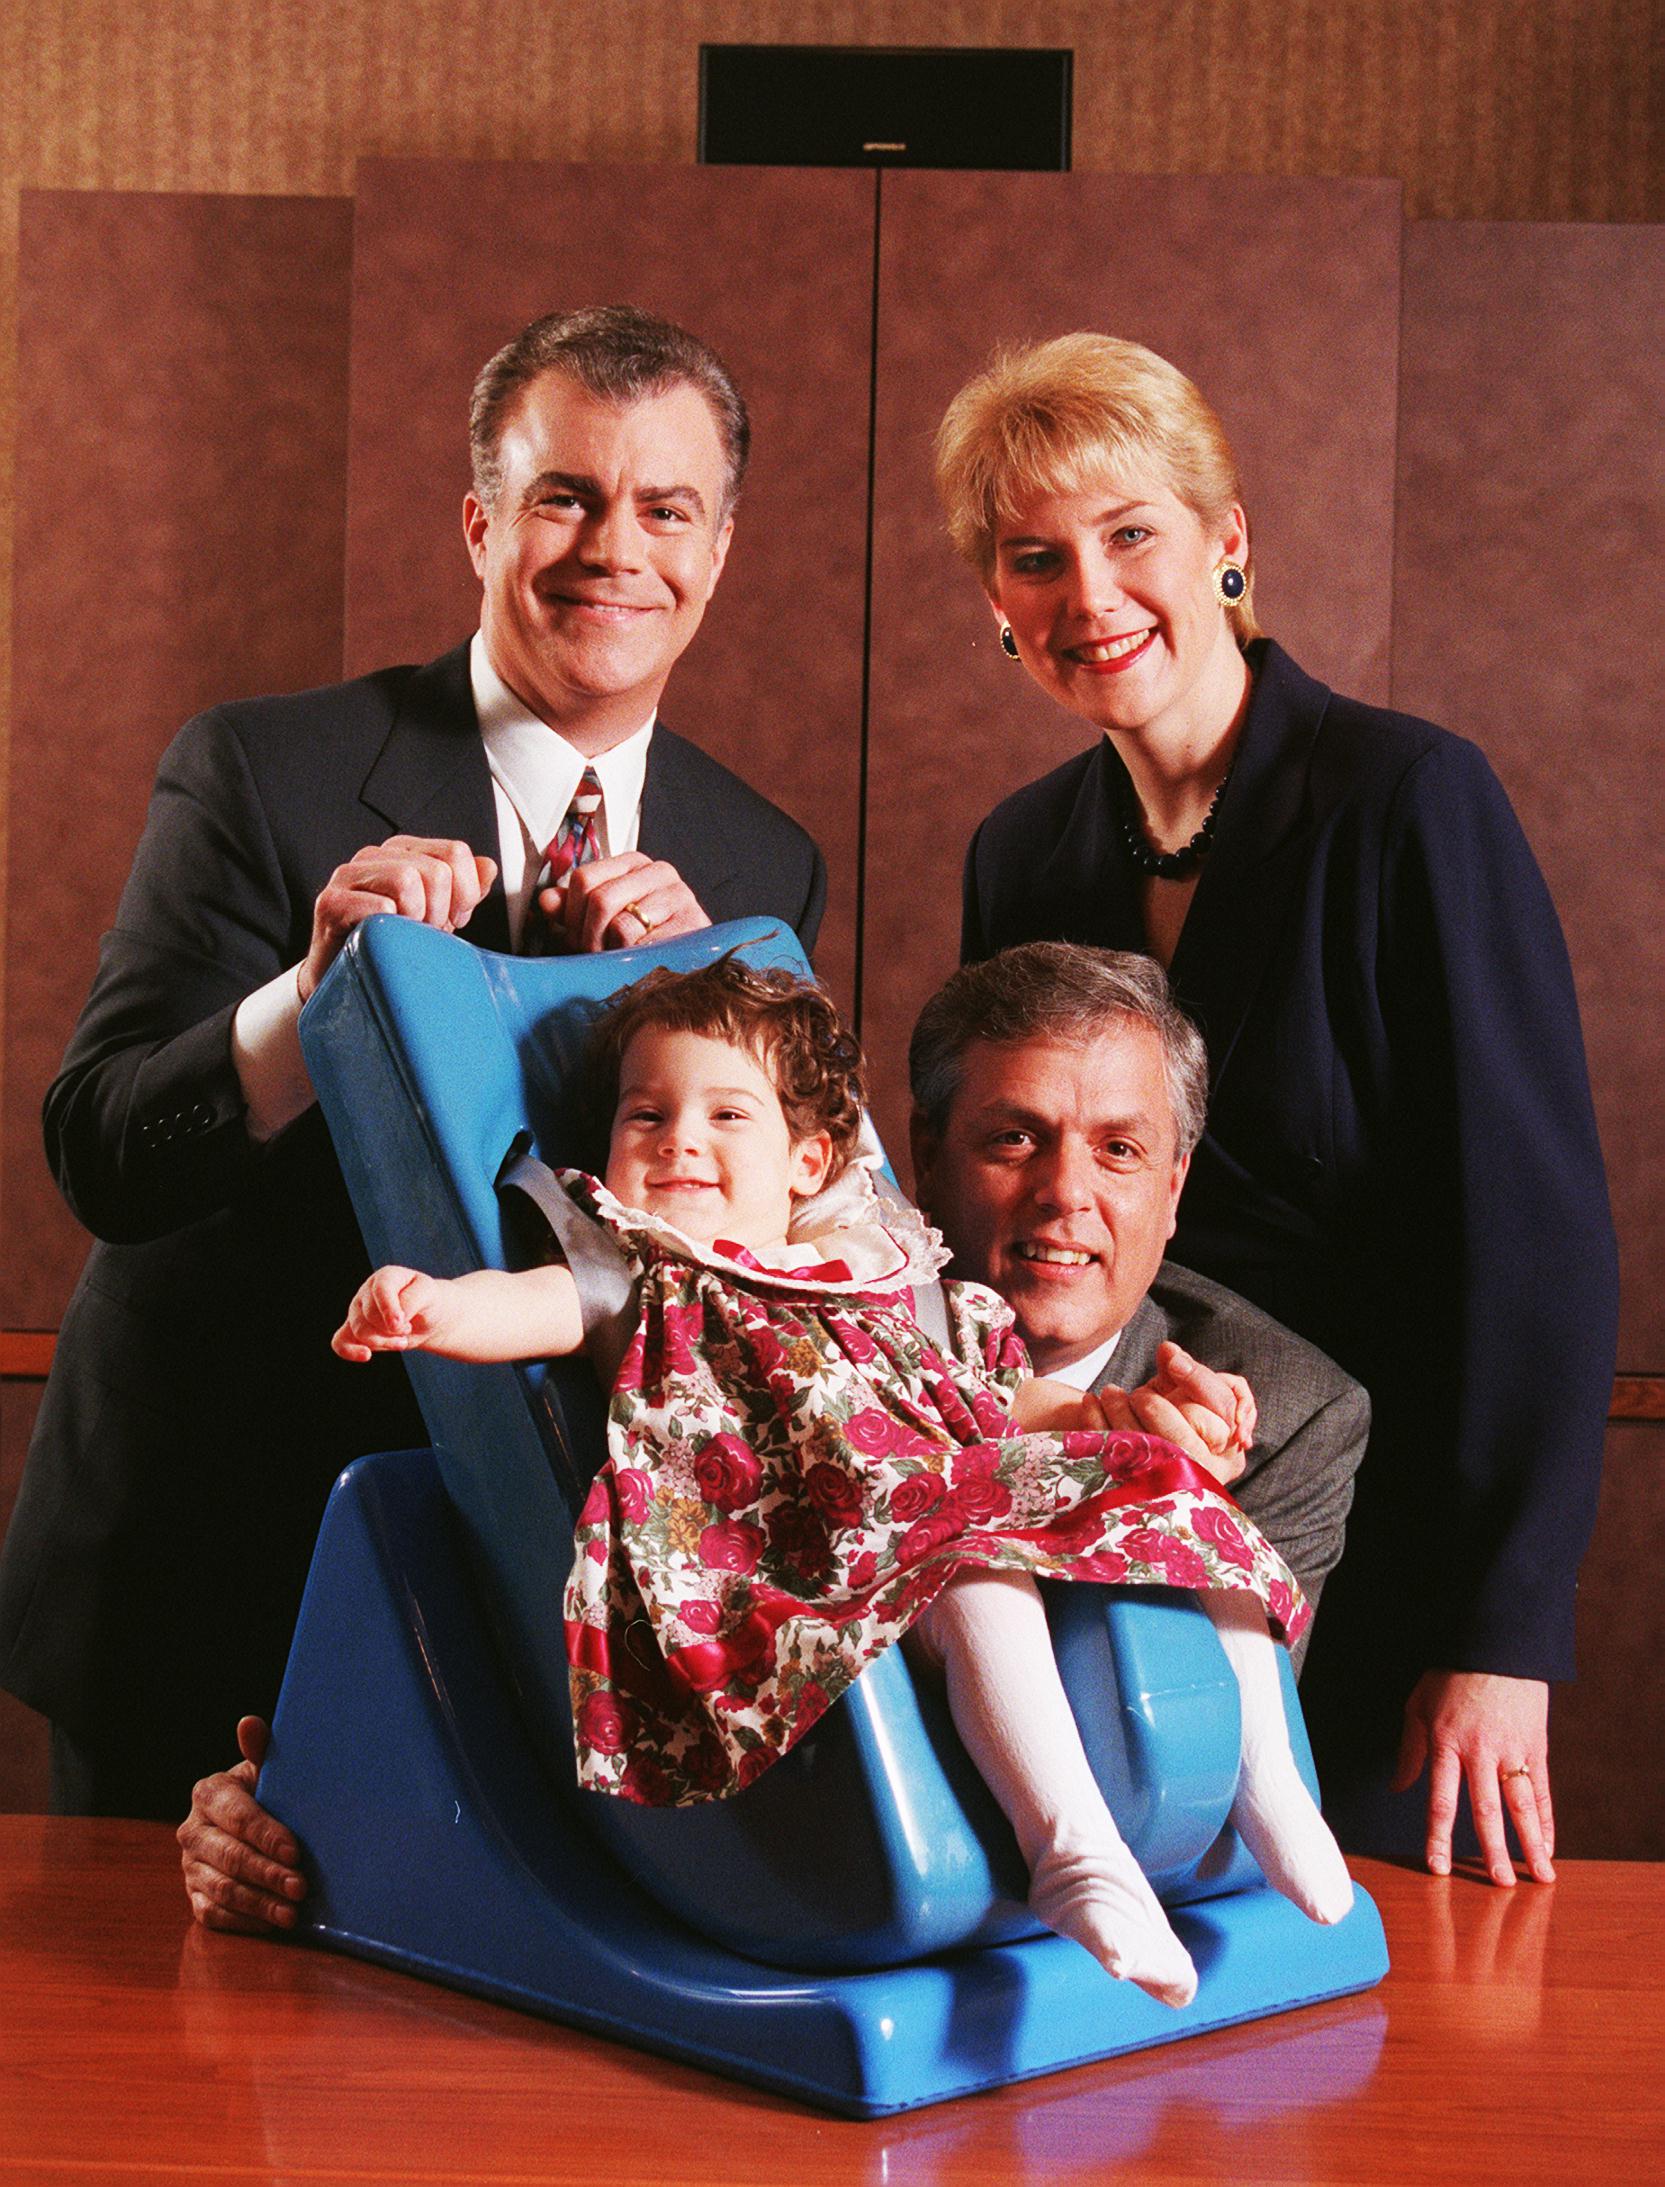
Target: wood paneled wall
x,y
1484,110
1528,577
182,475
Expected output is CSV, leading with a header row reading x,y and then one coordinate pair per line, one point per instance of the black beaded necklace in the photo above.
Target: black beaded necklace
x,y
1171,865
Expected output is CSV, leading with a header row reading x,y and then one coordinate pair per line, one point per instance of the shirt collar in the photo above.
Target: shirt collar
x,y
1081,1374
538,771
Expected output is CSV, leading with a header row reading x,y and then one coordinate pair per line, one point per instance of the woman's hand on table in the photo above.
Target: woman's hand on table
x,y
1495,1732
242,1868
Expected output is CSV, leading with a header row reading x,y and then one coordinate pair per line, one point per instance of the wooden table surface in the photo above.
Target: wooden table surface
x,y
1521,2035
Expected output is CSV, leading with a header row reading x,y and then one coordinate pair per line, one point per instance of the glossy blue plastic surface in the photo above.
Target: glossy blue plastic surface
x,y
435,1846
874,1843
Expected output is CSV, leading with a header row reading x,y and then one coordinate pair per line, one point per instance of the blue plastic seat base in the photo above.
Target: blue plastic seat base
x,y
437,1845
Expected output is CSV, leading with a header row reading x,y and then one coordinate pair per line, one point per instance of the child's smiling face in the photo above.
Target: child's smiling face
x,y
700,1139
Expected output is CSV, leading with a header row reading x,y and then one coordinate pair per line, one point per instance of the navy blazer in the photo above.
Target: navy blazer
x,y
195,1416
1401,1159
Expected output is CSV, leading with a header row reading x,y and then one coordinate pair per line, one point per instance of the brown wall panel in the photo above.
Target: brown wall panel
x,y
182,367
1484,110
1529,579
1607,1731
774,268
1282,301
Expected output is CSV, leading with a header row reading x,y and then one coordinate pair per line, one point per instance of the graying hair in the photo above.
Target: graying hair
x,y
1056,991
621,355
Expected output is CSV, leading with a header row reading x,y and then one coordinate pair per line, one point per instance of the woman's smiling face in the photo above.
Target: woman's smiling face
x,y
1109,592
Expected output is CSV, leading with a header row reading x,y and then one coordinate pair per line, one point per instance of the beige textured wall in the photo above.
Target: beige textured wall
x,y
1484,109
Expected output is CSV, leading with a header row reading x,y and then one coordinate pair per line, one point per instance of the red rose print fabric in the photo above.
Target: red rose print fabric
x,y
795,1471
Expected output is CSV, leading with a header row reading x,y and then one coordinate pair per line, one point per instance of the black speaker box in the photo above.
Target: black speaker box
x,y
880,106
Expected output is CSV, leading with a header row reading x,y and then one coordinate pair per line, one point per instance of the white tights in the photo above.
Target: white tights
x,y
989,1632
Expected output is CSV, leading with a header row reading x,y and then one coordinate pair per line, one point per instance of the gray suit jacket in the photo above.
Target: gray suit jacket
x,y
1298,1483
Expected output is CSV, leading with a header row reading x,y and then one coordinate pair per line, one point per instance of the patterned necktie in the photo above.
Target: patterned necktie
x,y
575,842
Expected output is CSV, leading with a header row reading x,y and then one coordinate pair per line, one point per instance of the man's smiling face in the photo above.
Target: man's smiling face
x,y
1055,1178
599,551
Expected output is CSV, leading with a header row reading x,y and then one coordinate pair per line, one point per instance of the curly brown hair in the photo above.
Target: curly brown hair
x,y
790,1025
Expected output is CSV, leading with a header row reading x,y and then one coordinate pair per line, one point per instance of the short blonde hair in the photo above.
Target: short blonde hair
x,y
1060,416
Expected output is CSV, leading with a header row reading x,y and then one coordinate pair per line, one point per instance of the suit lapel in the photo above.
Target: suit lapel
x,y
680,825
1259,859
431,778
1085,886
1085,883
1134,1359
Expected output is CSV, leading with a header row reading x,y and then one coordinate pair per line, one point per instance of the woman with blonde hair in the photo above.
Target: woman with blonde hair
x,y
1401,1158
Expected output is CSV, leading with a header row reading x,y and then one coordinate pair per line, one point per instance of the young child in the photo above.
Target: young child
x,y
799,1475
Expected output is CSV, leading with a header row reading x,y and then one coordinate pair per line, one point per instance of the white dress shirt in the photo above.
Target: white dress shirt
x,y
1081,1374
534,776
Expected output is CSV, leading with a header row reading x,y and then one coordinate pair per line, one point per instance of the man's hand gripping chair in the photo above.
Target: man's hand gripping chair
x,y
852,1928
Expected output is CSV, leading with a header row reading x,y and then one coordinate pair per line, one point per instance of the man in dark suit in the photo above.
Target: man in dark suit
x,y
520,789
1058,1093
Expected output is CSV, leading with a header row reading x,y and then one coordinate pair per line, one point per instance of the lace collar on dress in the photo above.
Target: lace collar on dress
x,y
844,1241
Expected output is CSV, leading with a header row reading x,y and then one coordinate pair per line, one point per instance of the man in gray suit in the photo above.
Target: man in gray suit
x,y
1058,1092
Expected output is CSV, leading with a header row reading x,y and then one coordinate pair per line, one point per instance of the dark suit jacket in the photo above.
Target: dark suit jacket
x,y
195,1417
1401,1159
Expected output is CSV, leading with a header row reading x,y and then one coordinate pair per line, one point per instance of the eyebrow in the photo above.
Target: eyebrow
x,y
723,1093
690,494
1111,515
581,482
1008,1112
998,1113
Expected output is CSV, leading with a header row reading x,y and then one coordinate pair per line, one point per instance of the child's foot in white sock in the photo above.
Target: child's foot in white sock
x,y
1275,1815
1278,1820
1098,1896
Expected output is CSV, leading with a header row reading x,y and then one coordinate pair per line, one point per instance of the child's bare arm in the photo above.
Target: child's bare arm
x,y
1044,1406
489,1315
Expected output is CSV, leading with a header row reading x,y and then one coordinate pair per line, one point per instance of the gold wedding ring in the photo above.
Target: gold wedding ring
x,y
1521,1769
647,925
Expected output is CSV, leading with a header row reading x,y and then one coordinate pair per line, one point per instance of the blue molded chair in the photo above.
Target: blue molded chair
x,y
852,1928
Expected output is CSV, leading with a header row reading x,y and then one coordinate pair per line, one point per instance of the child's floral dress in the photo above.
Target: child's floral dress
x,y
795,1470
